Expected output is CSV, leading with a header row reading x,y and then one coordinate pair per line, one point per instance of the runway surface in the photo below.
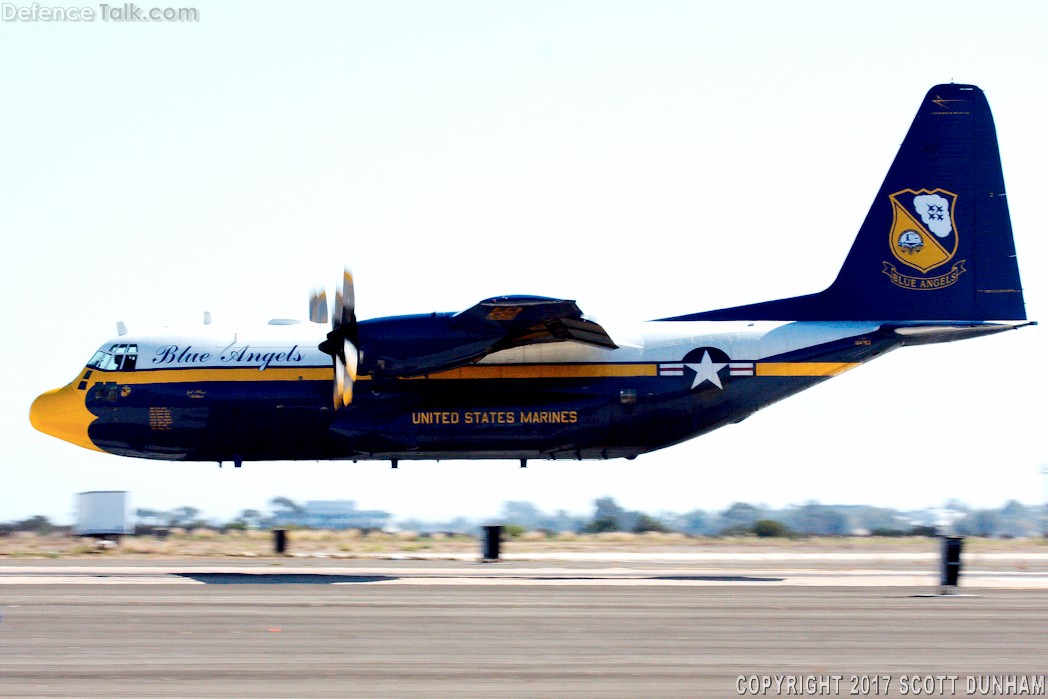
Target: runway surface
x,y
546,628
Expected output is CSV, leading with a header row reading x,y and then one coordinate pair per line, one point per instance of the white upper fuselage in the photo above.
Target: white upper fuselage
x,y
290,344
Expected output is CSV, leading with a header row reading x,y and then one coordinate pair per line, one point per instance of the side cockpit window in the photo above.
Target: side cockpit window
x,y
126,356
121,357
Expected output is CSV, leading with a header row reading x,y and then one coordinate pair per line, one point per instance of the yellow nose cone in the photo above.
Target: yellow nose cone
x,y
61,413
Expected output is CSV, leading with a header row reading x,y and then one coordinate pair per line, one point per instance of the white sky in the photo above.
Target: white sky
x,y
644,158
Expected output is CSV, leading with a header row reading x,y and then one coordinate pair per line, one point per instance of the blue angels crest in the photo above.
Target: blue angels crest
x,y
923,236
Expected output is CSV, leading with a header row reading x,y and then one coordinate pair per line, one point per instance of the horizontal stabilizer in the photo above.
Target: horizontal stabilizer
x,y
927,334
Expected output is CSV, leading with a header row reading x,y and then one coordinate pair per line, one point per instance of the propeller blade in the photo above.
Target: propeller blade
x,y
345,374
318,307
340,383
350,368
349,351
347,308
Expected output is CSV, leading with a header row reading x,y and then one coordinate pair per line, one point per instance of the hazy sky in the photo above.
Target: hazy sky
x,y
645,158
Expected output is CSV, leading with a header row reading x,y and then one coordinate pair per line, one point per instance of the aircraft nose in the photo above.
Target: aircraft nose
x,y
61,413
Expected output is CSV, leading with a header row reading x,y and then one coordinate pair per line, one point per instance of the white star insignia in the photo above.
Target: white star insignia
x,y
706,370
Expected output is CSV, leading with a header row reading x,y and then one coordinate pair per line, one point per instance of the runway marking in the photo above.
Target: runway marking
x,y
163,579
492,576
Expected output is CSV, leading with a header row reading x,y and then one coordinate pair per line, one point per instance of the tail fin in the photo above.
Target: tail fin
x,y
937,243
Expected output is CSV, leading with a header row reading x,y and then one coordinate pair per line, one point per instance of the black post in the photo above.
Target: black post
x,y
951,562
492,539
280,541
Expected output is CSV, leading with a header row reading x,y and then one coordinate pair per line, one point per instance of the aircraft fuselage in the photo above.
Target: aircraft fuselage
x,y
209,394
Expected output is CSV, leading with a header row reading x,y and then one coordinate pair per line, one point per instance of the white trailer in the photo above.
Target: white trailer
x,y
103,513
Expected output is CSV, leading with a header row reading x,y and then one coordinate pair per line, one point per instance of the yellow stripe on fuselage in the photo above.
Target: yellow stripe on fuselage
x,y
545,371
477,371
804,368
474,372
212,374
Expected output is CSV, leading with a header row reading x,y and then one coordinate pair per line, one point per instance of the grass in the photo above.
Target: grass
x,y
255,543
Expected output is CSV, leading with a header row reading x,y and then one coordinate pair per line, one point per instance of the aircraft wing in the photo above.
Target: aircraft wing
x,y
527,320
405,346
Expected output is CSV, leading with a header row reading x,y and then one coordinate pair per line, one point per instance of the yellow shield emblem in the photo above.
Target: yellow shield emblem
x,y
923,233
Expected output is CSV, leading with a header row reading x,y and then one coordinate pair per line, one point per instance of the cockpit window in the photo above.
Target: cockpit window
x,y
121,357
103,361
126,356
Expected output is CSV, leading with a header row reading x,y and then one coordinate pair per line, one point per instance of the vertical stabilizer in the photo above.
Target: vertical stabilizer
x,y
937,243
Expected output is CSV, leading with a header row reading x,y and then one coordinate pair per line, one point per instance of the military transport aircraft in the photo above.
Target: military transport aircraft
x,y
528,377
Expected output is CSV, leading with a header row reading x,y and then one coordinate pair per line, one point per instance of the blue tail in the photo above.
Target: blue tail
x,y
937,243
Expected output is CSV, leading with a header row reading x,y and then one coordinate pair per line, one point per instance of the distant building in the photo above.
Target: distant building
x,y
340,514
102,513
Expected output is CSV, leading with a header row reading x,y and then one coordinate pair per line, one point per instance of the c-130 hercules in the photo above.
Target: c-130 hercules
x,y
528,377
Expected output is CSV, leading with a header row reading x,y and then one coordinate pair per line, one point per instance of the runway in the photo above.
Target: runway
x,y
453,629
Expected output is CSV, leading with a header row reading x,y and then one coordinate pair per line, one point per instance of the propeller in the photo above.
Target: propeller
x,y
341,341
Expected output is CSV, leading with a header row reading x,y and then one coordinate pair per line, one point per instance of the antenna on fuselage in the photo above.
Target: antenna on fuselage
x,y
121,329
207,317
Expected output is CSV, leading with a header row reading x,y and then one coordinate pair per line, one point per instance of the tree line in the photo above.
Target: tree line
x,y
1014,519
